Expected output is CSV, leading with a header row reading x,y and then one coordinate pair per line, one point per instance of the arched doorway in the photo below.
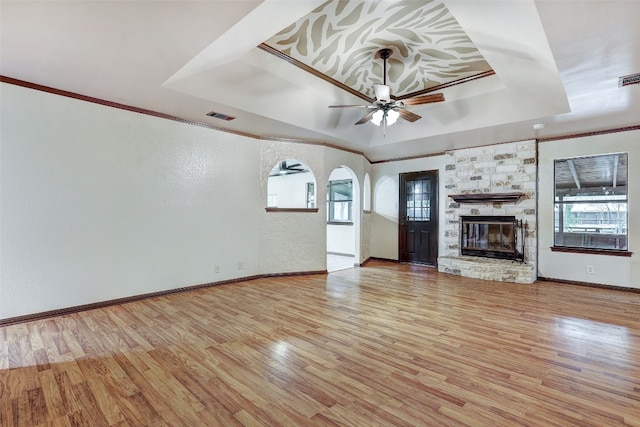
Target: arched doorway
x,y
343,219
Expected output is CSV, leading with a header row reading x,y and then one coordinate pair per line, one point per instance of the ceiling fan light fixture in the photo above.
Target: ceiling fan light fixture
x,y
389,117
392,117
377,117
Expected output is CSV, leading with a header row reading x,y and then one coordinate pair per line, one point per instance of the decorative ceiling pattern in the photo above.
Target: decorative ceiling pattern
x,y
341,38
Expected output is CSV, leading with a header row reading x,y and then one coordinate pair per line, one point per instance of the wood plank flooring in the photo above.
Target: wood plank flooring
x,y
387,344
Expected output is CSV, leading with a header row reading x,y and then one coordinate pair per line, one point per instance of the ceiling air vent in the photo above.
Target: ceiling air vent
x,y
631,79
220,116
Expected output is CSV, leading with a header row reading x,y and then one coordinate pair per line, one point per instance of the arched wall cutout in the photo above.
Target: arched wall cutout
x,y
291,184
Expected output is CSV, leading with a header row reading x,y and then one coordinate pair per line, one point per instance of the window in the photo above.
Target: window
x,y
339,200
418,194
311,195
590,208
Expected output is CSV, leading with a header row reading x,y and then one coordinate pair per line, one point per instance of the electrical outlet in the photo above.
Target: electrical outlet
x,y
216,269
240,265
589,269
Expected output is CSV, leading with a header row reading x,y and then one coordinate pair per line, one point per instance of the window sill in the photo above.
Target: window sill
x,y
612,252
272,209
339,223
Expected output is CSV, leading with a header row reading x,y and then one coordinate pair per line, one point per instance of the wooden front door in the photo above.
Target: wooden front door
x,y
418,228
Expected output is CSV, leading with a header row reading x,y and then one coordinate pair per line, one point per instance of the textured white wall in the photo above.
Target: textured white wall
x,y
608,270
297,241
292,241
98,203
385,198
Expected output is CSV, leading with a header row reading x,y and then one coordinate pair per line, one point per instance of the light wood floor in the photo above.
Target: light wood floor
x,y
387,344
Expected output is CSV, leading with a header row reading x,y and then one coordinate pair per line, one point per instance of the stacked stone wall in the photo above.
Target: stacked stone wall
x,y
502,168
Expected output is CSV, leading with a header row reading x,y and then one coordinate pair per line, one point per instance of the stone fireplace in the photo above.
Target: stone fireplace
x,y
492,191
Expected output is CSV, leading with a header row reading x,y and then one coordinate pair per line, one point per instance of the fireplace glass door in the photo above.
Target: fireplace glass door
x,y
493,237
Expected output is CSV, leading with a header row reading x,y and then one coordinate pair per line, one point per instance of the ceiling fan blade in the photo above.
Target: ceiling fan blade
x,y
408,115
424,99
383,93
366,118
352,106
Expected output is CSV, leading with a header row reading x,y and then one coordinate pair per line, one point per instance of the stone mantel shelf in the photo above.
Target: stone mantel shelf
x,y
487,197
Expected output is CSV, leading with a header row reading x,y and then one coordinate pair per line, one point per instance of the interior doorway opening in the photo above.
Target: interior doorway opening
x,y
343,220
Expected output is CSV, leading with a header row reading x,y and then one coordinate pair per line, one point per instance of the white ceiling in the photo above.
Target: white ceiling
x,y
556,62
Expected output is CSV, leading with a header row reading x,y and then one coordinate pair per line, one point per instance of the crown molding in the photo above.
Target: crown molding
x,y
104,102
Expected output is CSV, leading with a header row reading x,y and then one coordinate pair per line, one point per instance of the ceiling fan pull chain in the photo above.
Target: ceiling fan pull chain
x,y
384,122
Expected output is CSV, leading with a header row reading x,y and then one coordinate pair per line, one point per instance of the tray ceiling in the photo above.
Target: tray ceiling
x,y
341,38
187,58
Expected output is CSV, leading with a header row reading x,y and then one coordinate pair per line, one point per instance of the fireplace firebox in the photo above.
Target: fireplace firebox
x,y
492,237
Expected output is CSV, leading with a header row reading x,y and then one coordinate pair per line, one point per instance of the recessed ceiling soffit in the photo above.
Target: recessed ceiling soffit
x,y
340,39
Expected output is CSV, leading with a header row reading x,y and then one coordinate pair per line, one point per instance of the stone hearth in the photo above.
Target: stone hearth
x,y
487,269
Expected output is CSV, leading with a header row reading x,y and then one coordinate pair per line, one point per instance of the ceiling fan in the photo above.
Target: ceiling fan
x,y
386,111
287,169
